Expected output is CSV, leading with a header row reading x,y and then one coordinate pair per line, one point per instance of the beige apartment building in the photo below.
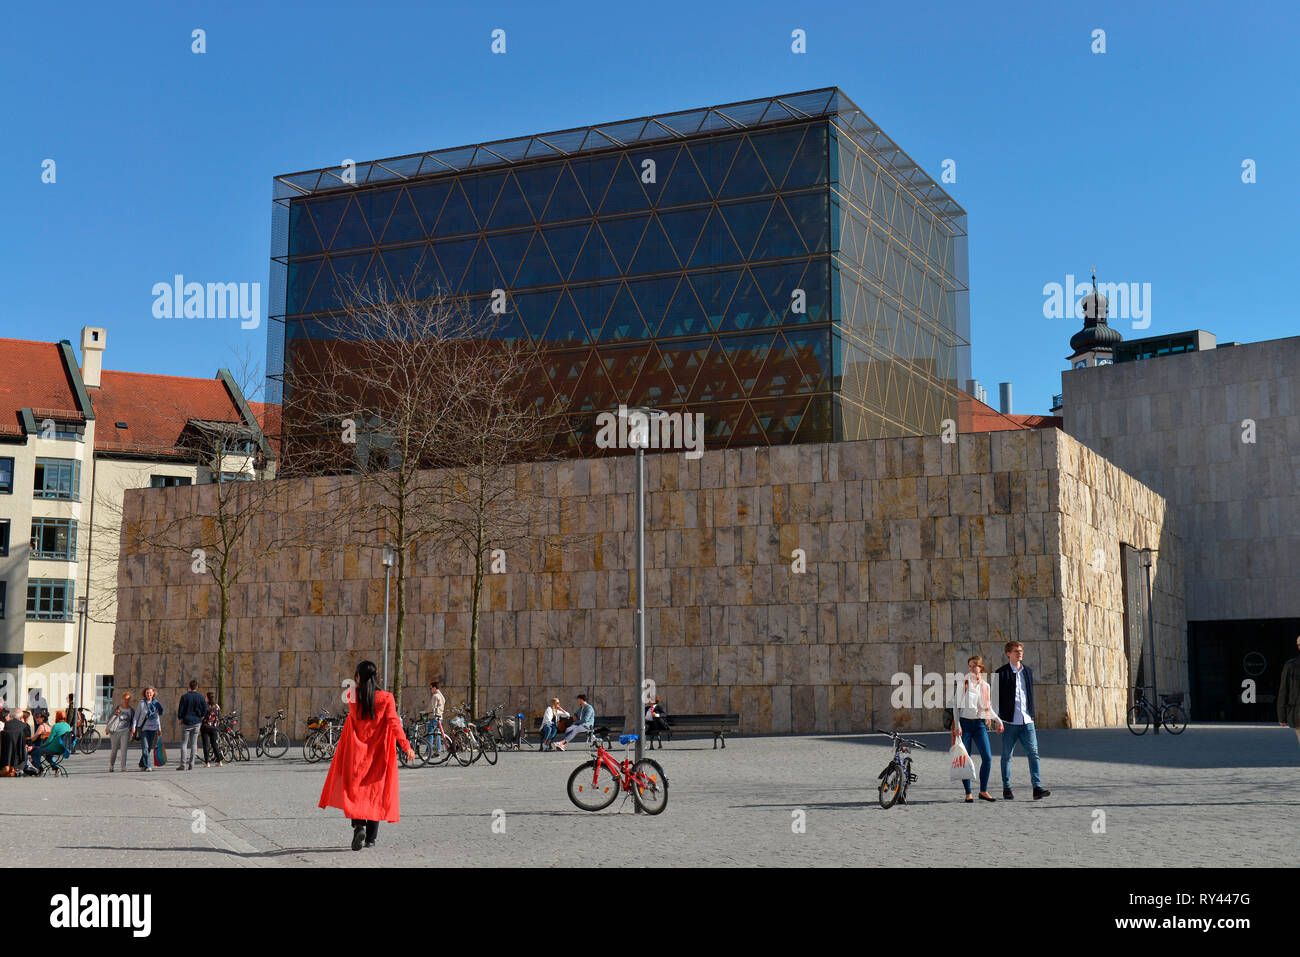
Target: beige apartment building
x,y
73,438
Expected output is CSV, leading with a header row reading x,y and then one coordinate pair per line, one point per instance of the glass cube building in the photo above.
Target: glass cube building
x,y
780,265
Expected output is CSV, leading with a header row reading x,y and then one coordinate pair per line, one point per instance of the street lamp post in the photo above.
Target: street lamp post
x,y
1148,564
389,559
638,436
81,658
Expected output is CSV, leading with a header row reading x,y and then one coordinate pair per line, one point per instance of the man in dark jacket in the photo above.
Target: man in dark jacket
x,y
191,711
1288,694
1016,706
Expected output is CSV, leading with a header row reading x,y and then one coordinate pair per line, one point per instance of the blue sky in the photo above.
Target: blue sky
x,y
1129,159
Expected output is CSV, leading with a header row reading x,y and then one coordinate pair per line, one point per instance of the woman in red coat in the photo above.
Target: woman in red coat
x,y
362,780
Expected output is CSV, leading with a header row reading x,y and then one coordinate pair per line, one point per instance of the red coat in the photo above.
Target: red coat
x,y
362,780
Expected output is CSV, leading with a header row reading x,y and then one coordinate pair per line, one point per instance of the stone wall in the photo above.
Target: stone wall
x,y
918,554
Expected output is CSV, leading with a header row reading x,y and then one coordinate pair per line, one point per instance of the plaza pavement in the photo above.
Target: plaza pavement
x,y
1219,795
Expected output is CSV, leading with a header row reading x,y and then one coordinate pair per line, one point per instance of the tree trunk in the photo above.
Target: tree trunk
x,y
399,646
221,645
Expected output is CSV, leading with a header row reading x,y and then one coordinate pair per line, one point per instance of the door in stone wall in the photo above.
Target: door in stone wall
x,y
1134,576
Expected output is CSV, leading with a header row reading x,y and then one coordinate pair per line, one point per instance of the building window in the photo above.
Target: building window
x,y
4,590
235,477
4,537
6,476
1082,363
169,481
58,478
54,538
50,599
67,430
103,696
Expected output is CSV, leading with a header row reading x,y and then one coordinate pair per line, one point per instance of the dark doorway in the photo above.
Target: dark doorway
x,y
1225,654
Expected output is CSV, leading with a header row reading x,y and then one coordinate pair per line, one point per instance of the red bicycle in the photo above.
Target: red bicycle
x,y
593,785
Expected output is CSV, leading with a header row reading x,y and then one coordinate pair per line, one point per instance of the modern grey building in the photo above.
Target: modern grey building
x,y
1217,432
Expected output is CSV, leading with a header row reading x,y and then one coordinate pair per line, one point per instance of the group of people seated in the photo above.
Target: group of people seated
x,y
24,749
560,724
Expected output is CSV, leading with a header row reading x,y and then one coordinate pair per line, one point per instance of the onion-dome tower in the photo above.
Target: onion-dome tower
x,y
1094,344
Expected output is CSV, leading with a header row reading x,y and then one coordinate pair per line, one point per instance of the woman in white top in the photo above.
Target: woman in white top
x,y
973,715
549,716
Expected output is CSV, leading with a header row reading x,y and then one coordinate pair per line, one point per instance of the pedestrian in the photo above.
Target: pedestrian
x,y
656,722
74,719
1016,701
119,731
211,718
437,705
146,724
190,712
1288,694
550,717
585,721
362,779
973,716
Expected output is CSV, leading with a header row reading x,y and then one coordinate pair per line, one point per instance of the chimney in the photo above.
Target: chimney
x,y
92,359
1004,398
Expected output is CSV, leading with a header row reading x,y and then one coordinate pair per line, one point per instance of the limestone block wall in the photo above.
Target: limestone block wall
x,y
918,553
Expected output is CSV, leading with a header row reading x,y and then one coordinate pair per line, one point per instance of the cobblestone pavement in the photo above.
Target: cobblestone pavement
x,y
1216,796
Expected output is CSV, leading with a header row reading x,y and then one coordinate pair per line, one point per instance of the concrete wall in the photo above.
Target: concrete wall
x,y
1176,424
919,553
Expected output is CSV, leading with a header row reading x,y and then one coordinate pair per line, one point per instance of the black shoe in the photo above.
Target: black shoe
x,y
983,798
370,843
358,836
1007,795
1040,793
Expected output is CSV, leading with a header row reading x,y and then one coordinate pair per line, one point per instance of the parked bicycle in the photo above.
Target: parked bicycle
x,y
88,736
271,741
325,729
484,730
594,784
1170,714
898,773
230,741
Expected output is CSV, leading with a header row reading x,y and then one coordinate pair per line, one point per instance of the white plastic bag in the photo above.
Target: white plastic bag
x,y
959,768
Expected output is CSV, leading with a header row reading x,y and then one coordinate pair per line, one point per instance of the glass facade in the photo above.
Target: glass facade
x,y
755,262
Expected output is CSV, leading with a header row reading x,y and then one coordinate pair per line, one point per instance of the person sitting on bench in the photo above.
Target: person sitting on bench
x,y
655,722
585,721
54,746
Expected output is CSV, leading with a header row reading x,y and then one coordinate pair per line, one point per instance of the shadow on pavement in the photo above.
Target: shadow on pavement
x,y
1200,746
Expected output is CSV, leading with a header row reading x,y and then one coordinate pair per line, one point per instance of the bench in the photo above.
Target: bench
x,y
716,724
606,727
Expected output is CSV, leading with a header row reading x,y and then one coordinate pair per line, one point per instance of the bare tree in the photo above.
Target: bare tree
x,y
400,391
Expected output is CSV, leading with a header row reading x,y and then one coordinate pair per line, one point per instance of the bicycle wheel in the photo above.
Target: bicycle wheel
x,y
652,793
488,745
1138,719
401,756
242,745
891,786
277,744
309,748
466,749
430,756
260,739
1174,718
90,743
225,749
592,787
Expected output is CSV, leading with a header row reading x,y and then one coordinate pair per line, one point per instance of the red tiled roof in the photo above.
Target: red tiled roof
x,y
268,417
974,416
32,376
155,409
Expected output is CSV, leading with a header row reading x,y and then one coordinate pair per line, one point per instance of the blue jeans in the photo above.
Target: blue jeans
x,y
435,734
148,741
975,736
548,732
1013,734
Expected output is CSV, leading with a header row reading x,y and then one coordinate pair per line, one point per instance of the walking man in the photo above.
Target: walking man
x,y
1288,694
437,703
190,712
1016,706
119,730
